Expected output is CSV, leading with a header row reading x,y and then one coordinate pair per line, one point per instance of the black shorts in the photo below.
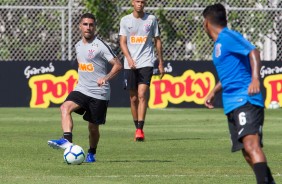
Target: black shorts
x,y
245,120
132,78
92,109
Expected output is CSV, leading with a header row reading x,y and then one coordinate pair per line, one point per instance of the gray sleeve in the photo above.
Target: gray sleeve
x,y
156,29
108,53
122,29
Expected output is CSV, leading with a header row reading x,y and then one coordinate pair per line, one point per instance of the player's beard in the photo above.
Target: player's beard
x,y
88,36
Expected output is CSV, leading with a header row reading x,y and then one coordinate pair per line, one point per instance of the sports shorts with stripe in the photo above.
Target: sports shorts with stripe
x,y
132,78
245,120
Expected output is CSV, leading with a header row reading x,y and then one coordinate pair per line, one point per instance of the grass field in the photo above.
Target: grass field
x,y
182,146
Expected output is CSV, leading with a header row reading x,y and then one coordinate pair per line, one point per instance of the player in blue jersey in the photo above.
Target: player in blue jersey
x,y
238,64
92,93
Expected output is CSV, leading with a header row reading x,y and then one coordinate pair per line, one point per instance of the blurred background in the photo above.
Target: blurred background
x,y
33,30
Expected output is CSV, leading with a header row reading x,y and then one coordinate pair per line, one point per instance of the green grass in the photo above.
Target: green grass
x,y
182,146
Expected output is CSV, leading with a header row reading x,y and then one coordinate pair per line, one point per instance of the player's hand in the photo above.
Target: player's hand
x,y
132,64
161,69
254,87
209,101
101,82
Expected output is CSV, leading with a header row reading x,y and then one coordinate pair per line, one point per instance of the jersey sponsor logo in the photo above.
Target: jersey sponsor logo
x,y
85,67
217,50
91,54
138,39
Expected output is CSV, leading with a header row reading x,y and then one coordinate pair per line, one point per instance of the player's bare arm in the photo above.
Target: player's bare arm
x,y
116,67
211,96
125,51
255,61
159,48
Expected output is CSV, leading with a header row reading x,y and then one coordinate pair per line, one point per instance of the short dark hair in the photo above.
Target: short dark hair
x,y
216,14
87,15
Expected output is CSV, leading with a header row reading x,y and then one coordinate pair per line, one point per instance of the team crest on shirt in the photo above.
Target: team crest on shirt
x,y
91,54
217,50
148,25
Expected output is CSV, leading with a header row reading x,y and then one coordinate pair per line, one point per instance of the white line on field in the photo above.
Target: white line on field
x,y
176,175
154,176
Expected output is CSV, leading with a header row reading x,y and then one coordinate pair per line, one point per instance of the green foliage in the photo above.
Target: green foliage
x,y
28,33
104,11
8,2
253,24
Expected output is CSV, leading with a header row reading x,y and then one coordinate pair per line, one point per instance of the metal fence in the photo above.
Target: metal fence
x,y
48,30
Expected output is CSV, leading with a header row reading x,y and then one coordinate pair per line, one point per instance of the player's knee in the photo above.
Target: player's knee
x,y
65,109
141,97
133,99
252,148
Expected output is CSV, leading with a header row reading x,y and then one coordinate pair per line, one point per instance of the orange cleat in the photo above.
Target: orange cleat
x,y
139,135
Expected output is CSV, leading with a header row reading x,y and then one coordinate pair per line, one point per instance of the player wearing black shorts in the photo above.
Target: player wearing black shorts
x,y
137,32
238,63
91,95
132,78
92,109
245,120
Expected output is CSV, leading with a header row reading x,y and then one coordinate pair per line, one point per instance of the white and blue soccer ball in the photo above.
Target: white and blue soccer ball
x,y
274,105
74,155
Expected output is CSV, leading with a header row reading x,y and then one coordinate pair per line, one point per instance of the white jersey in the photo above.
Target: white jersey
x,y
92,61
139,33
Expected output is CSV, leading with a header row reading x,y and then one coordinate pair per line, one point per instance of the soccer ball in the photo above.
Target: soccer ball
x,y
74,155
274,105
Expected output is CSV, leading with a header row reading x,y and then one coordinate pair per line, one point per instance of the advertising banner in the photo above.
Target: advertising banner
x,y
43,84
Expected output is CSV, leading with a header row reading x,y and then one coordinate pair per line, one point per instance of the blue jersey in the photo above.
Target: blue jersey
x,y
231,59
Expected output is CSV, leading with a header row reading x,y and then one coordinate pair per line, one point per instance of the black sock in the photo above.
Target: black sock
x,y
140,125
92,150
269,175
261,173
68,136
136,123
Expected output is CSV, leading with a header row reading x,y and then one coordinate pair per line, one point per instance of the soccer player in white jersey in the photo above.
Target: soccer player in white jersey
x,y
137,32
92,93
